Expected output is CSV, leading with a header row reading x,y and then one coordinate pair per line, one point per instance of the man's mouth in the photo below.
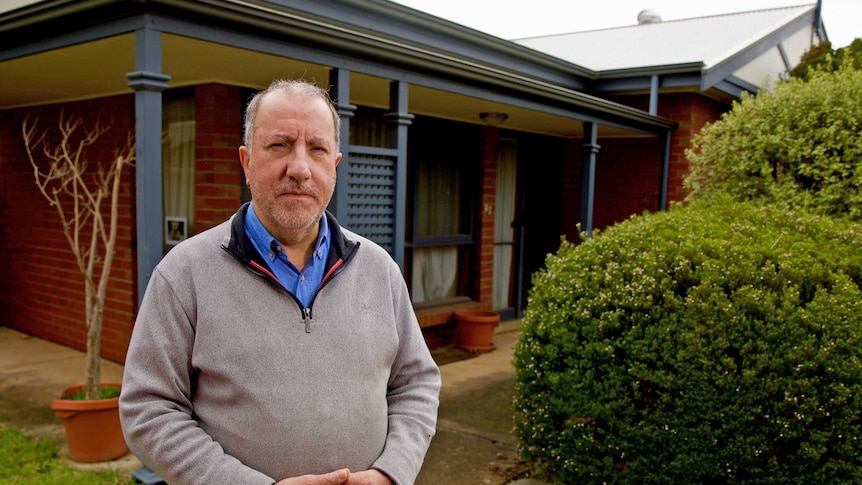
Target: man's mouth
x,y
295,194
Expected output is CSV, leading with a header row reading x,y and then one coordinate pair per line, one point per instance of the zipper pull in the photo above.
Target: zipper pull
x,y
306,317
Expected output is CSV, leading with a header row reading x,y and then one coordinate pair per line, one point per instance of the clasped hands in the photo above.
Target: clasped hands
x,y
340,477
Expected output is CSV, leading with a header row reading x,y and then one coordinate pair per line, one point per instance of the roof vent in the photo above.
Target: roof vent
x,y
648,17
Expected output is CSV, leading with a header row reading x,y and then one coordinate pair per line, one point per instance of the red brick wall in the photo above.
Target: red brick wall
x,y
628,174
218,135
691,111
628,171
42,289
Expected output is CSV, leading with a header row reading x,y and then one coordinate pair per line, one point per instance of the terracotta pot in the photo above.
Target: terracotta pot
x,y
476,329
93,430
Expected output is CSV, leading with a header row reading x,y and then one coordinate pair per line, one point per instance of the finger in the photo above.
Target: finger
x,y
337,477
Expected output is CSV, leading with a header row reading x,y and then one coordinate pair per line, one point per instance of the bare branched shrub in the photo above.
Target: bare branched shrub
x,y
78,195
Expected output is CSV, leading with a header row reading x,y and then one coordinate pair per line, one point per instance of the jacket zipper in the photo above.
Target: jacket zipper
x,y
307,320
266,274
306,312
306,317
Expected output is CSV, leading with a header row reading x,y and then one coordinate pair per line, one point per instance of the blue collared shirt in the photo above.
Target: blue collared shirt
x,y
302,284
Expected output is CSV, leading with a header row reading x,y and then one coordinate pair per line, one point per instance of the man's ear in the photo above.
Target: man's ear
x,y
337,159
244,160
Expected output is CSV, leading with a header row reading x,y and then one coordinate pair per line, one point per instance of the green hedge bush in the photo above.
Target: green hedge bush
x,y
800,143
715,343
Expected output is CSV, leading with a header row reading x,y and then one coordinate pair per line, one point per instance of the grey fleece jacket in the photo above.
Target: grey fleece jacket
x,y
228,380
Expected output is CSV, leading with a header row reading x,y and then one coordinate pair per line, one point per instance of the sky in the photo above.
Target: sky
x,y
514,19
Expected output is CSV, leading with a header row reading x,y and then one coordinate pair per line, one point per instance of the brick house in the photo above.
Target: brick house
x,y
466,156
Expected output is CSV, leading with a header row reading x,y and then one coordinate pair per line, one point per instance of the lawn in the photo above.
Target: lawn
x,y
24,460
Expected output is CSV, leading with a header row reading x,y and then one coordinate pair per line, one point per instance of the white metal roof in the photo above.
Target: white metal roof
x,y
707,40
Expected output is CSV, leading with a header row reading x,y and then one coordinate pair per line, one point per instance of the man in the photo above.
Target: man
x,y
280,347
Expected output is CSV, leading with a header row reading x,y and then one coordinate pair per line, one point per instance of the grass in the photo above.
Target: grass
x,y
24,460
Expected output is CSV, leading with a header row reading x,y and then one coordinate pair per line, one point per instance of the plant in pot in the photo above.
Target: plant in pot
x,y
86,198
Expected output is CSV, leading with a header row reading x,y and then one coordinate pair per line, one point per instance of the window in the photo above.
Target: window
x,y
443,165
178,162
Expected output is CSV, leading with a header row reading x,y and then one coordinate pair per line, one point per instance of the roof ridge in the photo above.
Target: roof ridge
x,y
745,12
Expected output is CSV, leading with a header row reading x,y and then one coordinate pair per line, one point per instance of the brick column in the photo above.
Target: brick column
x,y
487,201
218,135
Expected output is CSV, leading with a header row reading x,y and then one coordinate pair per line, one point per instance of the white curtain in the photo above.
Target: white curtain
x,y
434,271
504,214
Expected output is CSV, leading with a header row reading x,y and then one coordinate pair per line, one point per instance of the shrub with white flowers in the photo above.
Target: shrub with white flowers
x,y
719,342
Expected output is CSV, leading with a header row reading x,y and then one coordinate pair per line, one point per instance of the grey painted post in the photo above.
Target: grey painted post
x,y
400,119
339,79
588,176
148,83
665,171
653,94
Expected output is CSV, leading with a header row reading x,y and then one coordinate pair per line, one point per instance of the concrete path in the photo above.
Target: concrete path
x,y
474,442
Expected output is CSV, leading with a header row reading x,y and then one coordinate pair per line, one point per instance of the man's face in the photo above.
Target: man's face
x,y
290,168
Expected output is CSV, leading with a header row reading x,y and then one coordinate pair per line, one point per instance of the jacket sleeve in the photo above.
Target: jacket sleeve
x,y
155,401
413,394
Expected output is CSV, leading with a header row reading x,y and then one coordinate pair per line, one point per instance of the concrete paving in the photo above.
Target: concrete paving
x,y
474,443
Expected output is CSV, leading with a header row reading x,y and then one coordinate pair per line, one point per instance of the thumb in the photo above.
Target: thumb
x,y
337,477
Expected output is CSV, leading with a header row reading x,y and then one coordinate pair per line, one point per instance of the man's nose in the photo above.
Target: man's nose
x,y
299,165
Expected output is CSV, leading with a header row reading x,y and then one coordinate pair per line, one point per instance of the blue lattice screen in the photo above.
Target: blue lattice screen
x,y
371,197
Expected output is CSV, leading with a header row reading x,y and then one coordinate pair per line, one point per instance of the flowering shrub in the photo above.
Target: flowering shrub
x,y
715,343
801,143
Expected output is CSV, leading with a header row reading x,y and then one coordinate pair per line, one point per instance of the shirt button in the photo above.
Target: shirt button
x,y
271,255
302,278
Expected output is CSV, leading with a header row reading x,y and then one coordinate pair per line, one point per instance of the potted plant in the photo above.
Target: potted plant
x,y
79,193
475,329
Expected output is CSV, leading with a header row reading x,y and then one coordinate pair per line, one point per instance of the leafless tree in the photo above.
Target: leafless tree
x,y
78,196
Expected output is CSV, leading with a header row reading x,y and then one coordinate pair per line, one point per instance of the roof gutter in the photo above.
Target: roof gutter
x,y
457,31
347,38
648,71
